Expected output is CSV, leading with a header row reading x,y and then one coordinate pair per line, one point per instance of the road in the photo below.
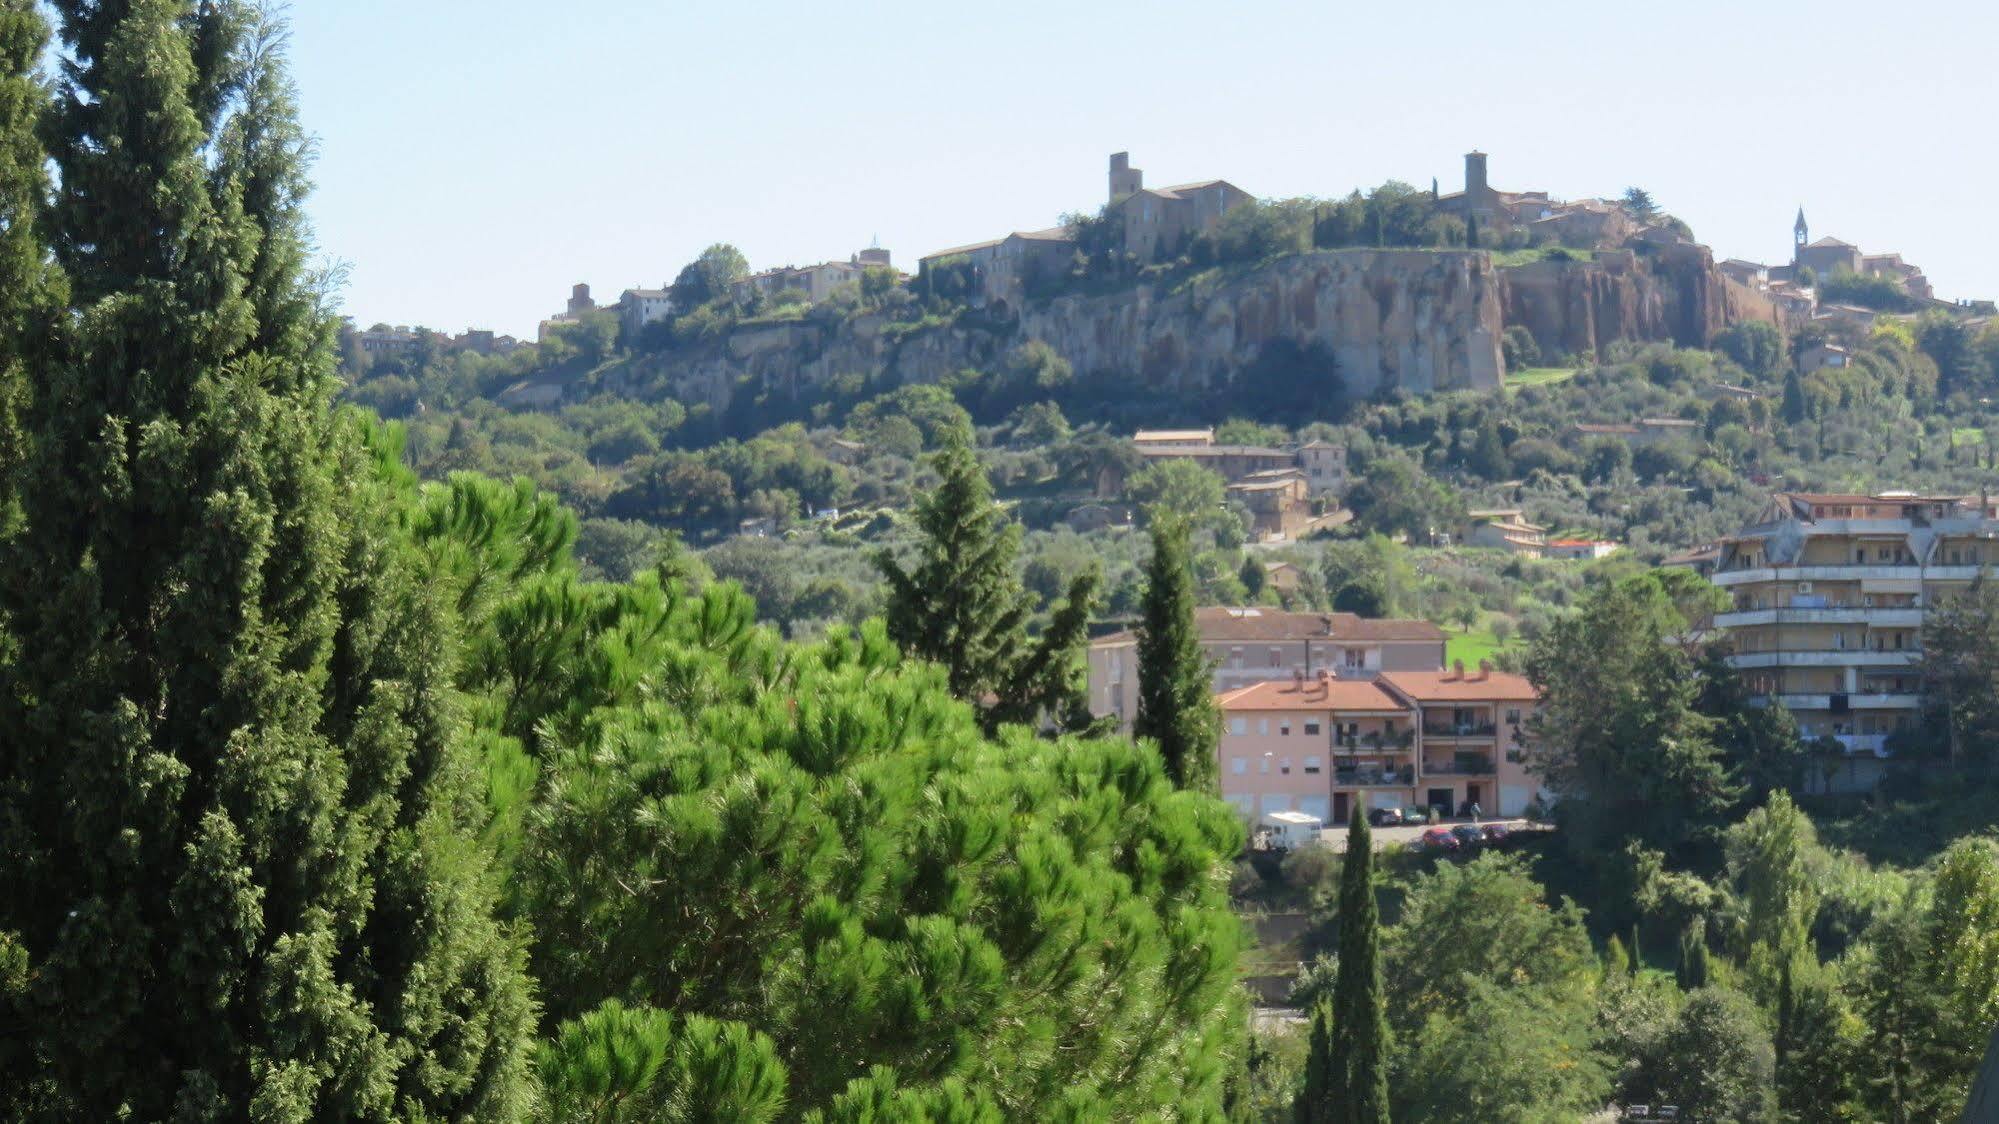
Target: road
x,y
1336,837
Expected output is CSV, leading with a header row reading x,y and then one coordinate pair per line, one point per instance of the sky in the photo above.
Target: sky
x,y
478,157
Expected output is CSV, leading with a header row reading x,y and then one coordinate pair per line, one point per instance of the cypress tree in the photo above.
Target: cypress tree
x,y
1313,1105
1357,1086
27,284
1794,397
962,604
1693,970
236,850
1471,231
1176,698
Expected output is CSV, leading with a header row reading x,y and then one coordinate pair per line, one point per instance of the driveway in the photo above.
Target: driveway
x,y
1336,837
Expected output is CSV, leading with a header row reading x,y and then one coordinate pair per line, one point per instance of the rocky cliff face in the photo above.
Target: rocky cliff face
x,y
1669,292
1411,319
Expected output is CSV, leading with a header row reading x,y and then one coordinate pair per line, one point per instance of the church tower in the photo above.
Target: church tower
x,y
1800,236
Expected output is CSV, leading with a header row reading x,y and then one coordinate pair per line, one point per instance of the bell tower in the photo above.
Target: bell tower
x,y
1800,235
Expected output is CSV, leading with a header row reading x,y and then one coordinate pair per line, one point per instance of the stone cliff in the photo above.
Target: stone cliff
x,y
1416,320
1669,291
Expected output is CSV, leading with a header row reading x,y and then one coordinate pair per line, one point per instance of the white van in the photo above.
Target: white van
x,y
1288,831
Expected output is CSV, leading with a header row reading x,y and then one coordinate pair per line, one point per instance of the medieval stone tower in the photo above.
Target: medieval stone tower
x,y
1125,179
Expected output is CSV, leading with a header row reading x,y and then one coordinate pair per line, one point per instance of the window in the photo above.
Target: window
x,y
1239,765
1513,716
1238,726
1311,726
1235,657
1277,657
1263,764
1284,765
1311,765
1284,728
1263,727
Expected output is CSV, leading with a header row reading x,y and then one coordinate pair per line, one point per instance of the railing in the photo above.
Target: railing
x,y
1362,778
1370,744
1459,730
1466,768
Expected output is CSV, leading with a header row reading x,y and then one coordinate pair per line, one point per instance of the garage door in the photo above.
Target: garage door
x,y
1278,803
1316,806
1514,798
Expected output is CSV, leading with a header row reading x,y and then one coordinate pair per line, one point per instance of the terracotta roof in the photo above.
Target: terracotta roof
x,y
1210,451
1829,242
1047,234
1312,694
1467,686
1145,435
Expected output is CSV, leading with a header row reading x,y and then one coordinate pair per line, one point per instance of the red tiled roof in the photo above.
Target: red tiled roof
x,y
1453,686
1222,624
1312,694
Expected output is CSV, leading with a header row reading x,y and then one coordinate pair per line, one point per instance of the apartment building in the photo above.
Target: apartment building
x,y
1255,645
1334,747
1828,598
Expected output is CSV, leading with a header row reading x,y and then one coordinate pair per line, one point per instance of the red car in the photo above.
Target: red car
x,y
1440,839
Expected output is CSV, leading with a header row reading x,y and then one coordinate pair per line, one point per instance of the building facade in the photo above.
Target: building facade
x,y
1257,645
1333,747
1829,593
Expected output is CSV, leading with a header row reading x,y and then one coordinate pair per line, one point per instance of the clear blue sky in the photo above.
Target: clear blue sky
x,y
479,157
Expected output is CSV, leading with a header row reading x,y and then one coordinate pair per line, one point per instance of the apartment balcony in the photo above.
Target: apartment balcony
x,y
1847,657
1456,730
1467,767
1853,702
1374,778
1844,572
1878,618
1875,744
1369,744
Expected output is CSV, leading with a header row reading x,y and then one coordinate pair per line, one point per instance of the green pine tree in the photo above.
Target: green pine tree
x,y
1176,699
1692,973
237,854
962,605
1357,1086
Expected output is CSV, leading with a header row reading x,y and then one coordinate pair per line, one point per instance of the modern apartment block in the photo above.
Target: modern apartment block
x,y
1829,594
1332,747
1255,645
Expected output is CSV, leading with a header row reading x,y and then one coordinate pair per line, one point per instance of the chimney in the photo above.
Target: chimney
x,y
1327,624
1484,670
1457,670
1298,678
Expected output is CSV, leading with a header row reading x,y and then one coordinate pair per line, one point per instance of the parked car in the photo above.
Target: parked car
x,y
1415,815
1469,834
1385,817
1496,832
1440,839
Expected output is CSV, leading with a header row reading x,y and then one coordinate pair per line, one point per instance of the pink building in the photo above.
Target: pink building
x,y
1319,745
1329,747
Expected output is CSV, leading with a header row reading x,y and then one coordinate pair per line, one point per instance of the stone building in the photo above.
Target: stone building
x,y
1160,220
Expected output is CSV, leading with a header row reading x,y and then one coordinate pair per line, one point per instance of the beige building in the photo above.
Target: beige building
x,y
1256,645
1279,502
1333,747
1505,528
1323,464
1829,593
639,307
1159,221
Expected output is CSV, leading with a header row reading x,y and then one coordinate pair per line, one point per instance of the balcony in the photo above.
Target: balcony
x,y
1374,778
1875,744
1844,572
1460,730
1879,618
1462,767
1853,702
1373,743
1849,657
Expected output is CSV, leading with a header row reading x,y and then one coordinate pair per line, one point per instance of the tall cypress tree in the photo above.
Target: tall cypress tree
x,y
1313,1105
962,604
235,829
1176,696
1357,1089
27,284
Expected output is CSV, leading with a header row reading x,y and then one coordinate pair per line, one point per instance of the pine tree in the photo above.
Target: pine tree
x,y
1357,1085
1176,700
236,851
962,605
